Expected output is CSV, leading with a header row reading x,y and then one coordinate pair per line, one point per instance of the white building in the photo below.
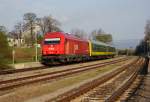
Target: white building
x,y
15,42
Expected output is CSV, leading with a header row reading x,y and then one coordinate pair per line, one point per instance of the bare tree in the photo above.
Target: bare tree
x,y
100,35
19,31
13,34
30,19
144,45
3,29
79,33
48,24
95,33
147,31
42,24
51,23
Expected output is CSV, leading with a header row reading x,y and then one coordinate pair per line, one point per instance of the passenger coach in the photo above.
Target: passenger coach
x,y
101,50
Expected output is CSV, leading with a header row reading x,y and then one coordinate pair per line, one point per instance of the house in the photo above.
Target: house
x,y
15,42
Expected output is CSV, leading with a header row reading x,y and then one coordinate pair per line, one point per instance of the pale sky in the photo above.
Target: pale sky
x,y
124,19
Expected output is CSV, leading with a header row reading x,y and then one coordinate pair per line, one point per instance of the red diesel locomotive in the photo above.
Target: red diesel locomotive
x,y
63,47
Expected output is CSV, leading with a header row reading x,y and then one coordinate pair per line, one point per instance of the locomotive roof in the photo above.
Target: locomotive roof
x,y
101,43
68,35
73,36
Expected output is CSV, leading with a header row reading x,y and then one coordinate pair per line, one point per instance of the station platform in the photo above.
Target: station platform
x,y
26,65
142,94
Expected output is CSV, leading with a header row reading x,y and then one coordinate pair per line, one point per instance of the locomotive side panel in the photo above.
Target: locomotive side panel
x,y
85,48
76,47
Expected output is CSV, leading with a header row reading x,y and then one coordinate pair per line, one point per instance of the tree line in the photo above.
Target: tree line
x,y
144,47
97,34
5,51
32,29
32,26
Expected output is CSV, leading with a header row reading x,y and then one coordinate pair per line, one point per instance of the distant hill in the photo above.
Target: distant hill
x,y
122,44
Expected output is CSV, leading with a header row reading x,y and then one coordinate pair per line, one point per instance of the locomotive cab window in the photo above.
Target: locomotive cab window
x,y
52,41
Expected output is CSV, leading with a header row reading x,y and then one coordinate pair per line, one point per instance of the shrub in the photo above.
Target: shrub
x,y
5,51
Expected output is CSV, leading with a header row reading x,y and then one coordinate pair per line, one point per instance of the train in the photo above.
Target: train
x,y
63,47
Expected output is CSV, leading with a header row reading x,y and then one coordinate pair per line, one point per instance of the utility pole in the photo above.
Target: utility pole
x,y
148,48
13,52
36,50
127,52
13,56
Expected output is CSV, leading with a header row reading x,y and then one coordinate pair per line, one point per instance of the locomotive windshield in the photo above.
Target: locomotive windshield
x,y
52,41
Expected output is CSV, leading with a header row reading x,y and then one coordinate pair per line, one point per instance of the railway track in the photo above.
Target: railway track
x,y
93,91
13,71
139,90
13,83
131,76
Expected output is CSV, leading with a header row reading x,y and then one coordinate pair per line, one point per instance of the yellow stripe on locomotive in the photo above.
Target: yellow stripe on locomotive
x,y
90,47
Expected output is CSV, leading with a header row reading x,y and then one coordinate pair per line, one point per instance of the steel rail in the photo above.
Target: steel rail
x,y
76,92
12,83
121,89
12,71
